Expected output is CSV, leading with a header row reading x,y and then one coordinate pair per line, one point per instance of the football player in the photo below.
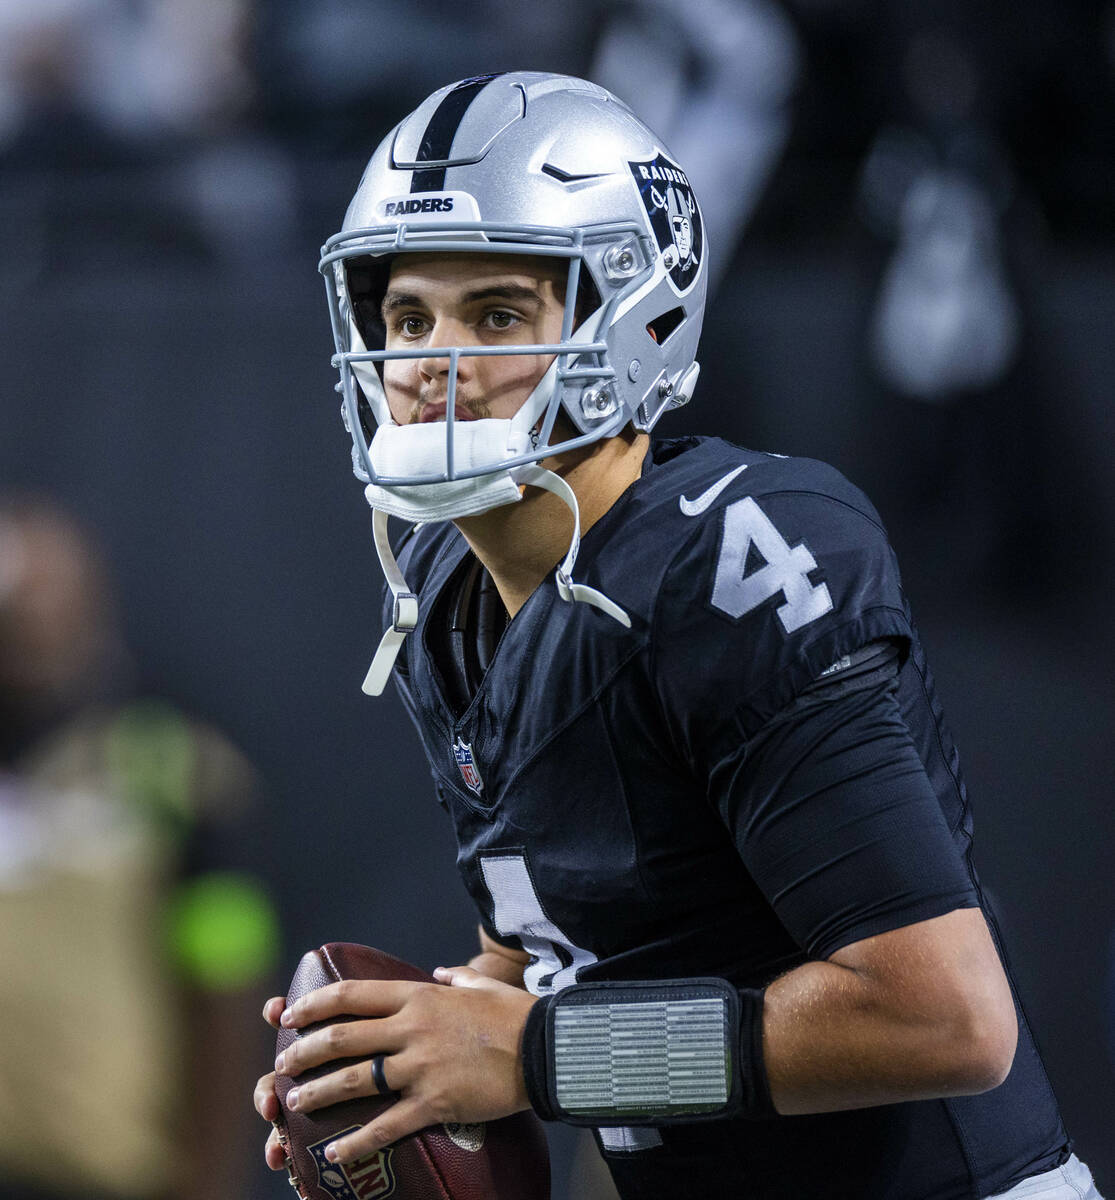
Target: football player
x,y
673,701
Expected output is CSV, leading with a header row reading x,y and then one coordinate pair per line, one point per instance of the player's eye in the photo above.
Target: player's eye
x,y
501,318
411,326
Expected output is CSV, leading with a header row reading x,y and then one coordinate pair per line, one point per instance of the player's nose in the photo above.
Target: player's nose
x,y
447,331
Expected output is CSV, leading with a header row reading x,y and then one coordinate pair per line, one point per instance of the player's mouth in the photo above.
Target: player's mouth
x,y
435,410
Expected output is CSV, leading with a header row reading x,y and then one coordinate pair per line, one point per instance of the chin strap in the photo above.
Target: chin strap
x,y
568,590
404,618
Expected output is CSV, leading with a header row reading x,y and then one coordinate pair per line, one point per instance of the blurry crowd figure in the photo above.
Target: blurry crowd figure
x,y
939,189
946,320
132,123
215,114
141,70
134,944
989,164
716,81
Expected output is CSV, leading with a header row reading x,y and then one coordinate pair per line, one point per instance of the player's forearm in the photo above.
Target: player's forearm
x,y
833,1039
918,1012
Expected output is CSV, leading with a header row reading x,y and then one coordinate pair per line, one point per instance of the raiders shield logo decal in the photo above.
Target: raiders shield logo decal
x,y
470,773
674,216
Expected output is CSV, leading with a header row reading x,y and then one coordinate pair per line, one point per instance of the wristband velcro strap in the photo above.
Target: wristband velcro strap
x,y
644,1053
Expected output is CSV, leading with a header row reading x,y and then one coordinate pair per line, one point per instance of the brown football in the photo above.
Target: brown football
x,y
499,1160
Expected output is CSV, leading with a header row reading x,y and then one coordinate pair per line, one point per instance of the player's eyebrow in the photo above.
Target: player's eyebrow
x,y
394,300
497,291
502,291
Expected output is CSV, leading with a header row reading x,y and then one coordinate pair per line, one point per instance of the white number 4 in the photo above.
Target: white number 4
x,y
786,570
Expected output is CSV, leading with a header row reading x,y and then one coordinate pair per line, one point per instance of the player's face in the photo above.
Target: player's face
x,y
439,300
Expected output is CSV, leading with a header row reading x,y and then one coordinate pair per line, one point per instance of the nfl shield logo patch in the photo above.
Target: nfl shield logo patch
x,y
462,752
365,1179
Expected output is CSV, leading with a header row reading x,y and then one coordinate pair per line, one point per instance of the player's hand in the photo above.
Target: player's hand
x,y
264,1098
451,1053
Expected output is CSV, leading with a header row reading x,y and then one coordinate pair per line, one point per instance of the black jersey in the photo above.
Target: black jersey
x,y
624,808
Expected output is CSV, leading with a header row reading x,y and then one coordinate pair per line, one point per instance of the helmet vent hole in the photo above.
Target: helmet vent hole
x,y
661,327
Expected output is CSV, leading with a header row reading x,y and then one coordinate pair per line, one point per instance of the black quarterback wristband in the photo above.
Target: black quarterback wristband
x,y
658,1052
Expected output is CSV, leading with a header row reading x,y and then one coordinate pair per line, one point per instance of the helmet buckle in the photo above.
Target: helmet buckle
x,y
404,616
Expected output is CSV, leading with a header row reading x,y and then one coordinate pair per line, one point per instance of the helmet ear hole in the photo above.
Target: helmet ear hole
x,y
662,326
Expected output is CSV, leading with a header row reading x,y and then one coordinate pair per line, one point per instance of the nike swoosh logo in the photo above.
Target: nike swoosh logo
x,y
694,508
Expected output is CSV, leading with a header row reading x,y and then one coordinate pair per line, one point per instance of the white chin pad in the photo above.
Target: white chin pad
x,y
409,451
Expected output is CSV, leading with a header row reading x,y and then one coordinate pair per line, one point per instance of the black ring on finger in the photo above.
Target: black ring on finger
x,y
380,1079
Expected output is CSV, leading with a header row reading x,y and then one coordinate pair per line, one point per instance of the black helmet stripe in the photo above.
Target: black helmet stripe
x,y
437,141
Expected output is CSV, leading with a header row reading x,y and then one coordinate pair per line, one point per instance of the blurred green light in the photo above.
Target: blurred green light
x,y
223,931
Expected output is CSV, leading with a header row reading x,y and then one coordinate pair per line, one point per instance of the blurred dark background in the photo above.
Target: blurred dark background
x,y
912,207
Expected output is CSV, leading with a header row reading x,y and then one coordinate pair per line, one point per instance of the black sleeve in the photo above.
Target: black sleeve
x,y
834,815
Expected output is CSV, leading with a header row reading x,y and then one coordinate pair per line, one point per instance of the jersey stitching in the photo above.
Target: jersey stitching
x,y
958,783
965,1150
591,699
631,826
824,496
1000,947
694,536
863,618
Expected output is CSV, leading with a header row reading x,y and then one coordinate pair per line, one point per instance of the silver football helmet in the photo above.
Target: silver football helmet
x,y
527,162
519,163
